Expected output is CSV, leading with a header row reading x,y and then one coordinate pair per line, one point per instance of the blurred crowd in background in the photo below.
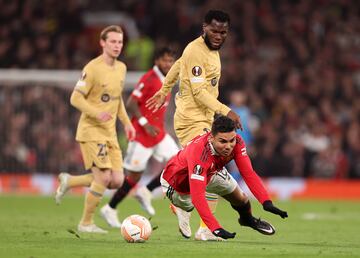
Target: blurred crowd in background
x,y
290,68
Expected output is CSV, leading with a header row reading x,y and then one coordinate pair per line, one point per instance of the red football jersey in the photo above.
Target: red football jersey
x,y
192,168
148,85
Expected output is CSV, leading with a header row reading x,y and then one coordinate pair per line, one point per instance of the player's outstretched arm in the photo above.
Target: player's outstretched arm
x,y
156,102
269,206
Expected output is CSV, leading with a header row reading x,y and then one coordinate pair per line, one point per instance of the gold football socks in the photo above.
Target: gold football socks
x,y
92,200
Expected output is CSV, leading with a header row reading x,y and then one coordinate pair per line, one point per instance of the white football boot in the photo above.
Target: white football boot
x,y
204,234
144,196
62,188
110,216
92,228
183,219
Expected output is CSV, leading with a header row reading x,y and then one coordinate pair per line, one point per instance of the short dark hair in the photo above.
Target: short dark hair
x,y
217,15
222,124
163,51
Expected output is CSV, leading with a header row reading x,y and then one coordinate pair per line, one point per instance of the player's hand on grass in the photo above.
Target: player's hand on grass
x,y
155,102
236,118
151,130
269,206
130,132
220,232
104,116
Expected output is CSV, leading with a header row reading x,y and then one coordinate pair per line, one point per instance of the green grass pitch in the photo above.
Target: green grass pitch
x,y
34,227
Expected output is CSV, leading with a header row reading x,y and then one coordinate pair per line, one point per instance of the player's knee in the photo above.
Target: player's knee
x,y
105,179
117,180
117,183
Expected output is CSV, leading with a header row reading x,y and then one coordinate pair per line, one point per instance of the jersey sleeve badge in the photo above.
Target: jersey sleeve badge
x,y
197,171
196,71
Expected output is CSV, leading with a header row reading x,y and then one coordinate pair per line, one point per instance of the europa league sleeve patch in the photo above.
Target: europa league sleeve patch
x,y
83,76
196,71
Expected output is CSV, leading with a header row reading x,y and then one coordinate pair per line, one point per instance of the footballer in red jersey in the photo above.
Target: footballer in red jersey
x,y
151,138
198,168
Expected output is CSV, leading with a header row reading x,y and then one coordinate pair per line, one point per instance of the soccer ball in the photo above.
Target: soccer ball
x,y
136,229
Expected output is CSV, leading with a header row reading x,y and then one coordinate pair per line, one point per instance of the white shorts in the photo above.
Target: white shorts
x,y
137,156
222,183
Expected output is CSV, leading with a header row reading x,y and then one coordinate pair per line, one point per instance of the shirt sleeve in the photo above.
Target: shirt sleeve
x,y
196,72
171,78
198,179
250,177
122,114
81,91
79,101
86,81
138,93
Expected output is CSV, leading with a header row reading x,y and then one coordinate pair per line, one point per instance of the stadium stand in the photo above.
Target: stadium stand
x,y
297,61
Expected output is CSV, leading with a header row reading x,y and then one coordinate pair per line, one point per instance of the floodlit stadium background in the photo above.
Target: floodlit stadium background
x,y
294,65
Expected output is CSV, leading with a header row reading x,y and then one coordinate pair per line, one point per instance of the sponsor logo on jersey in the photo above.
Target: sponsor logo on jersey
x,y
105,97
213,82
197,71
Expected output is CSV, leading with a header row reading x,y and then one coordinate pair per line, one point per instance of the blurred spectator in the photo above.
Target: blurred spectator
x,y
39,130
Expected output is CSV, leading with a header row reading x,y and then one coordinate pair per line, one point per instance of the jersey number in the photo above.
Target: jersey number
x,y
102,150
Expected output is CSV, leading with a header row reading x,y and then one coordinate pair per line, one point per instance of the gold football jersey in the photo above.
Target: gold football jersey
x,y
199,71
102,87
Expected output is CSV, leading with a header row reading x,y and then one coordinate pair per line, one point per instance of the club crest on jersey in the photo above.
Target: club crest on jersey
x,y
213,82
196,71
105,97
197,170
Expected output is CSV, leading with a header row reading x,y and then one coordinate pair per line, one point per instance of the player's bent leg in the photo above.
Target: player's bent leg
x,y
67,181
240,202
92,199
109,212
181,206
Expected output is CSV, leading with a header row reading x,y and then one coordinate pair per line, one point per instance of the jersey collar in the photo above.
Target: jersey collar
x,y
212,149
159,73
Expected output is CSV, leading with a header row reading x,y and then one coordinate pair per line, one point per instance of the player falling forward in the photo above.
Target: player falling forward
x,y
198,70
151,138
197,168
98,95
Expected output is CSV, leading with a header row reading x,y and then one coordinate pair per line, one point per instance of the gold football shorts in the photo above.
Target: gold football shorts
x,y
186,132
102,154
